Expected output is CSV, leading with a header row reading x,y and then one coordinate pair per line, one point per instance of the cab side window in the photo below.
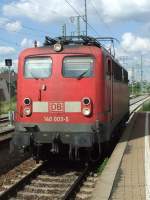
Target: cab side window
x,y
109,71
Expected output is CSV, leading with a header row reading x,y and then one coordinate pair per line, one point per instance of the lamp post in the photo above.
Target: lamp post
x,y
8,63
132,79
141,74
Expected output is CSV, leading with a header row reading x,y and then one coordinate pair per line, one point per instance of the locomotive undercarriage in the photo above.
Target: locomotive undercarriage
x,y
82,142
64,145
66,152
79,147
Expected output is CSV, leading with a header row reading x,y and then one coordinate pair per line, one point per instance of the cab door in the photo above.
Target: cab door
x,y
109,87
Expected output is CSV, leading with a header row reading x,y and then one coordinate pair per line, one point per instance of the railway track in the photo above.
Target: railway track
x,y
6,129
4,119
137,99
137,104
6,134
5,124
42,181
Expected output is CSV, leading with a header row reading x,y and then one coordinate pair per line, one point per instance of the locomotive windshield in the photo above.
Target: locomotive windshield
x,y
78,67
38,67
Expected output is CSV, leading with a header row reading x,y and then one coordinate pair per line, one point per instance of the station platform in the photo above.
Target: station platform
x,y
127,173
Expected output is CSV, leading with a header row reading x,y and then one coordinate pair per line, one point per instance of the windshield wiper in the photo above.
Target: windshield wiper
x,y
34,76
82,75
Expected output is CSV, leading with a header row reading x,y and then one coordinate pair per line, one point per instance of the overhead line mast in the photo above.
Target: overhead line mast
x,y
85,18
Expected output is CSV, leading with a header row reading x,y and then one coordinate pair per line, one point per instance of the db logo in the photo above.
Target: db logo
x,y
56,107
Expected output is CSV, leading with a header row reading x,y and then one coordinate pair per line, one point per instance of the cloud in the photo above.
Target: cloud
x,y
25,43
12,26
52,10
116,10
131,48
4,50
15,65
37,10
133,43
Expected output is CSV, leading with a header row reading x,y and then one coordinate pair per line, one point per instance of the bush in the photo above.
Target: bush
x,y
146,106
5,107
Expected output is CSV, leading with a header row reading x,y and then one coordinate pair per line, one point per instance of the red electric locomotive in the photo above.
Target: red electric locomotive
x,y
71,94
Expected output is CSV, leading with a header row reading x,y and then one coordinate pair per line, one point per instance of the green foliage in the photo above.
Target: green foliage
x,y
5,107
148,88
4,70
102,166
135,87
146,106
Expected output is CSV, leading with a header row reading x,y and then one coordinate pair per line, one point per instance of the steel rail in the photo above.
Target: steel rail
x,y
4,119
138,104
20,184
136,101
69,193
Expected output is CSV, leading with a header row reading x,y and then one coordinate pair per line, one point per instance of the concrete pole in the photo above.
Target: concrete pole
x,y
85,18
141,74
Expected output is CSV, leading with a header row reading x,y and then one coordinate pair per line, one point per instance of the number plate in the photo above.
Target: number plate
x,y
56,106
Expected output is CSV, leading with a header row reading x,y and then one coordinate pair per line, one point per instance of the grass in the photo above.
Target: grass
x,y
5,106
101,166
146,106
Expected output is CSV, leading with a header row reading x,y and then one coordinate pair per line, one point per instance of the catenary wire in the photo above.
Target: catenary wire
x,y
75,10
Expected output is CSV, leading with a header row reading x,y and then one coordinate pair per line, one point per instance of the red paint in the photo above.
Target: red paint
x,y
103,93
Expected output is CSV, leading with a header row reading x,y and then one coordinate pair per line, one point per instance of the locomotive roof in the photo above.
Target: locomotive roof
x,y
73,41
78,40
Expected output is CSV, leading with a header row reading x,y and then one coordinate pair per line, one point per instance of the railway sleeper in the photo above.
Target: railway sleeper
x,y
88,184
32,195
85,190
43,189
48,184
57,179
83,197
50,178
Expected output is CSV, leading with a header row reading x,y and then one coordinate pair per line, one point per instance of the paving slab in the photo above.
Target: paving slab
x,y
130,179
105,182
125,175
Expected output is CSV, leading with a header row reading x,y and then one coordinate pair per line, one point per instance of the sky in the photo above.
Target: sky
x,y
24,21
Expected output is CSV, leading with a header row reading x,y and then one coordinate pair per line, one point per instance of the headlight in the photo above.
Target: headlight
x,y
27,111
27,101
86,101
86,111
58,47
